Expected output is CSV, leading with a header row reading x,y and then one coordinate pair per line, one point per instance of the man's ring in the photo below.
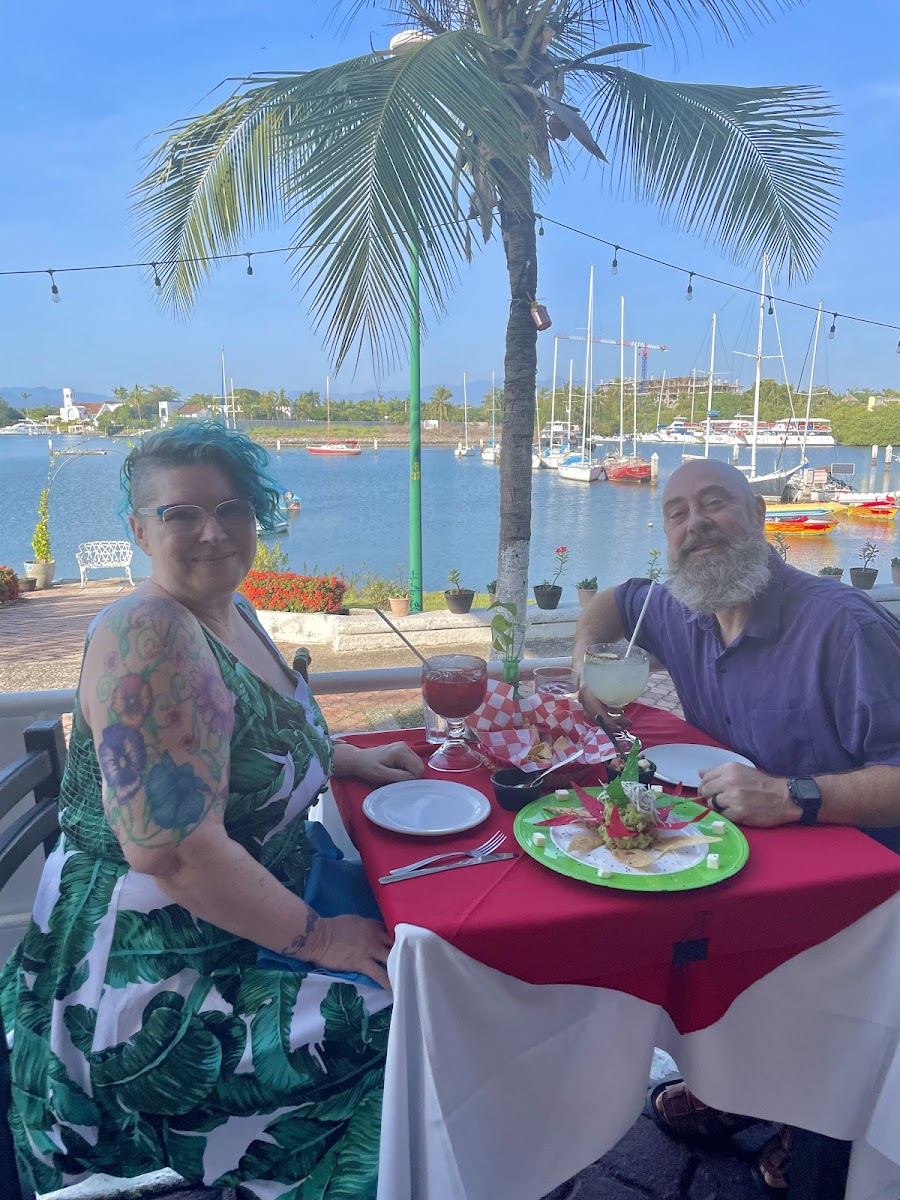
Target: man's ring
x,y
714,803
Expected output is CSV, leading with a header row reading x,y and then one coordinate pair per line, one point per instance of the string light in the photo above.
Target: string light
x,y
541,227
833,330
614,269
157,282
690,286
771,309
54,290
898,347
249,267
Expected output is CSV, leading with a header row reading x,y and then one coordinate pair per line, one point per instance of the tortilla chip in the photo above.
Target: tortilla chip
x,y
540,752
584,843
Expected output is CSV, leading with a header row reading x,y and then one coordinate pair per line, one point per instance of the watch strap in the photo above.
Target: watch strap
x,y
806,795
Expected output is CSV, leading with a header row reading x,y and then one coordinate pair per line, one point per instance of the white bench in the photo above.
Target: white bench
x,y
94,556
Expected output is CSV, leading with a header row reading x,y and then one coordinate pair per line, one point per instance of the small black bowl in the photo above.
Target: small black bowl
x,y
646,775
513,798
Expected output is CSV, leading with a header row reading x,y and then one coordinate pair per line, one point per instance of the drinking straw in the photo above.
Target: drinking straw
x,y
402,638
639,620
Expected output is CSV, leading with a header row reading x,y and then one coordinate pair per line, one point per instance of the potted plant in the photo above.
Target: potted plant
x,y
508,639
895,571
459,599
399,598
831,572
9,585
865,576
547,593
42,566
491,589
586,590
781,546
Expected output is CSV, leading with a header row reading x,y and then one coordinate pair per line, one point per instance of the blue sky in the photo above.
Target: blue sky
x,y
85,85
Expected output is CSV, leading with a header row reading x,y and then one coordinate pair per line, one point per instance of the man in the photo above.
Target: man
x,y
797,673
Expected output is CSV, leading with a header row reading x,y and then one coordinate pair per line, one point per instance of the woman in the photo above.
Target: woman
x,y
146,1036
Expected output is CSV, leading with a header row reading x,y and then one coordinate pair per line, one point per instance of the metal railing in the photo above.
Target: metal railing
x,y
323,683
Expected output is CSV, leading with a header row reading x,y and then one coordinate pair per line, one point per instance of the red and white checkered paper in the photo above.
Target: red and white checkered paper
x,y
543,718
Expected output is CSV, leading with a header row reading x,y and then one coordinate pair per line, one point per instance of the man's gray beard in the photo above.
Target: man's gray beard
x,y
736,574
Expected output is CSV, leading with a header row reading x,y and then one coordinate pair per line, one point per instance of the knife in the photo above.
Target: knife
x,y
468,862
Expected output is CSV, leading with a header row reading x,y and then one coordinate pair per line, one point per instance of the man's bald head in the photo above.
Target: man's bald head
x,y
696,474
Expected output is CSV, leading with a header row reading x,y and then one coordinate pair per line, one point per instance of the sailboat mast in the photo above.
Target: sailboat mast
x,y
622,376
588,348
634,395
224,409
812,372
709,390
759,348
662,385
693,391
493,415
569,418
327,408
465,414
553,393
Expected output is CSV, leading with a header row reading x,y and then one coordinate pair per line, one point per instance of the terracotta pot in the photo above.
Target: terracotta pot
x,y
42,572
585,595
400,605
863,577
461,601
548,597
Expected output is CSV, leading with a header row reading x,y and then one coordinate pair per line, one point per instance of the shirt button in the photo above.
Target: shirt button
x,y
720,668
728,720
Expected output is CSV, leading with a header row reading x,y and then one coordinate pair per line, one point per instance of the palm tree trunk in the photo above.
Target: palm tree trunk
x,y
520,370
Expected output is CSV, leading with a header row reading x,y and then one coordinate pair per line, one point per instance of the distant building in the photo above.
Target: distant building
x,y
677,390
877,401
87,413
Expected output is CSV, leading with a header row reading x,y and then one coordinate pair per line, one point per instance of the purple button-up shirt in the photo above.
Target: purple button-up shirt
x,y
810,687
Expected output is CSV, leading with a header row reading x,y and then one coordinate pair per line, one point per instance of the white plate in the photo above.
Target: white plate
x,y
426,807
680,762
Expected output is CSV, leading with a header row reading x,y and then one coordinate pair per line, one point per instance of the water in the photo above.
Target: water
x,y
355,514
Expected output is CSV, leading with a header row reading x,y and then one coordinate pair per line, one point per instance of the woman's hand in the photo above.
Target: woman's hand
x,y
351,943
378,764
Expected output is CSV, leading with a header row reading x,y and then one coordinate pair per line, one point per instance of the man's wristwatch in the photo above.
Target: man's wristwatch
x,y
806,795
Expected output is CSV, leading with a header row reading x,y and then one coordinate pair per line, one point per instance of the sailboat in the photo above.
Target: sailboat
x,y
581,467
557,447
491,452
774,482
349,446
463,449
621,467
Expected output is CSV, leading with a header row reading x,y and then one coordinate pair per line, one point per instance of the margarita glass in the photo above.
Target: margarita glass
x,y
615,679
454,686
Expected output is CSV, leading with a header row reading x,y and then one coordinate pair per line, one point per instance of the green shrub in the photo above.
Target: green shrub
x,y
40,540
270,558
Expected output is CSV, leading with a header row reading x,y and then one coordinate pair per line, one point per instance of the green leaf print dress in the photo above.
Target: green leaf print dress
x,y
144,1038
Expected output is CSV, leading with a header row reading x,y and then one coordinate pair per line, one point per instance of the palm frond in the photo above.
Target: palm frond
x,y
359,159
755,168
668,21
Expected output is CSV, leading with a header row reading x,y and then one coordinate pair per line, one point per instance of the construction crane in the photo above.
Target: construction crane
x,y
642,346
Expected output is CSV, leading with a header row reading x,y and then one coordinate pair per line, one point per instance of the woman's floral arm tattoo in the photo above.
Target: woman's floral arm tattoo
x,y
162,724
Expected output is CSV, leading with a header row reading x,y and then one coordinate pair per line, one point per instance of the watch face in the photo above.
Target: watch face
x,y
805,789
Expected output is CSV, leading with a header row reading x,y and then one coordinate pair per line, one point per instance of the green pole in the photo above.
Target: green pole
x,y
415,438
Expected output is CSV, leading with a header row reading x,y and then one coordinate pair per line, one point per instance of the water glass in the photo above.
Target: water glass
x,y
556,681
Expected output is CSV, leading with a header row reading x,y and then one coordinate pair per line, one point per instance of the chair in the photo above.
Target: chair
x,y
96,556
39,771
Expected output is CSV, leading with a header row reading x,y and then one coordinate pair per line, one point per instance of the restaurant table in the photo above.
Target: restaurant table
x,y
527,1004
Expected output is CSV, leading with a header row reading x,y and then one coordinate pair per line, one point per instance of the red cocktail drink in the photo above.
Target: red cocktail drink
x,y
453,694
454,686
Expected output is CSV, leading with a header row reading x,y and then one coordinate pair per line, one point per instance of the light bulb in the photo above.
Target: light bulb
x,y
833,330
690,287
614,269
157,282
249,267
771,308
54,290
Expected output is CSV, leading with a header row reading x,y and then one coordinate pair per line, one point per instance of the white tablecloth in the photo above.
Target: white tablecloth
x,y
498,1088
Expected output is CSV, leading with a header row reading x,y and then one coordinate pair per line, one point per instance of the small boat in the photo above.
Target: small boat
x,y
463,449
626,468
800,526
491,452
582,467
279,526
334,449
536,460
289,502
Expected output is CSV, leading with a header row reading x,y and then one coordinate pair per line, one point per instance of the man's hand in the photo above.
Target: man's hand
x,y
379,764
748,796
350,943
597,712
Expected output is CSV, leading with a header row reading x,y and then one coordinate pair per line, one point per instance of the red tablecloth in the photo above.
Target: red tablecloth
x,y
691,952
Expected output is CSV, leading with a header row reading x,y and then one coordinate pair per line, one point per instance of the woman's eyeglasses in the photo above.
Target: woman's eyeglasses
x,y
190,518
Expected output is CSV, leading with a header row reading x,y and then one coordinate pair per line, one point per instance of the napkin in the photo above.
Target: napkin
x,y
508,728
334,888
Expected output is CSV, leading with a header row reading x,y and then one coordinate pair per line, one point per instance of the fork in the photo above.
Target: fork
x,y
494,842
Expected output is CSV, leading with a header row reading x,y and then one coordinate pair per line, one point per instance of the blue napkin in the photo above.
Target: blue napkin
x,y
334,888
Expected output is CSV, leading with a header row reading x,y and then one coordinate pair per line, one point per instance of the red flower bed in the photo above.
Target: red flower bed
x,y
285,592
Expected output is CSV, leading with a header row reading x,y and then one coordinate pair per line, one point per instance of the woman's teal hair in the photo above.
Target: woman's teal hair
x,y
245,463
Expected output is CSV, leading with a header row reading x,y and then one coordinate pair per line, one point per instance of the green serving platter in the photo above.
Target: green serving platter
x,y
732,850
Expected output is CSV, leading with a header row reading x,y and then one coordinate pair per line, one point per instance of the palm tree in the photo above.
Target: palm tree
x,y
394,152
439,404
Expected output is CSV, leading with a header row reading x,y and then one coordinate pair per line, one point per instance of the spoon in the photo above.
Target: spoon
x,y
533,779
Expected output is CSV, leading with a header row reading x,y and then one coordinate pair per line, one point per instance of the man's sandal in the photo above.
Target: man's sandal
x,y
678,1113
772,1170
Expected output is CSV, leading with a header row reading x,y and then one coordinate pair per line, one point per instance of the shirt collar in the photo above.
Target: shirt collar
x,y
764,621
